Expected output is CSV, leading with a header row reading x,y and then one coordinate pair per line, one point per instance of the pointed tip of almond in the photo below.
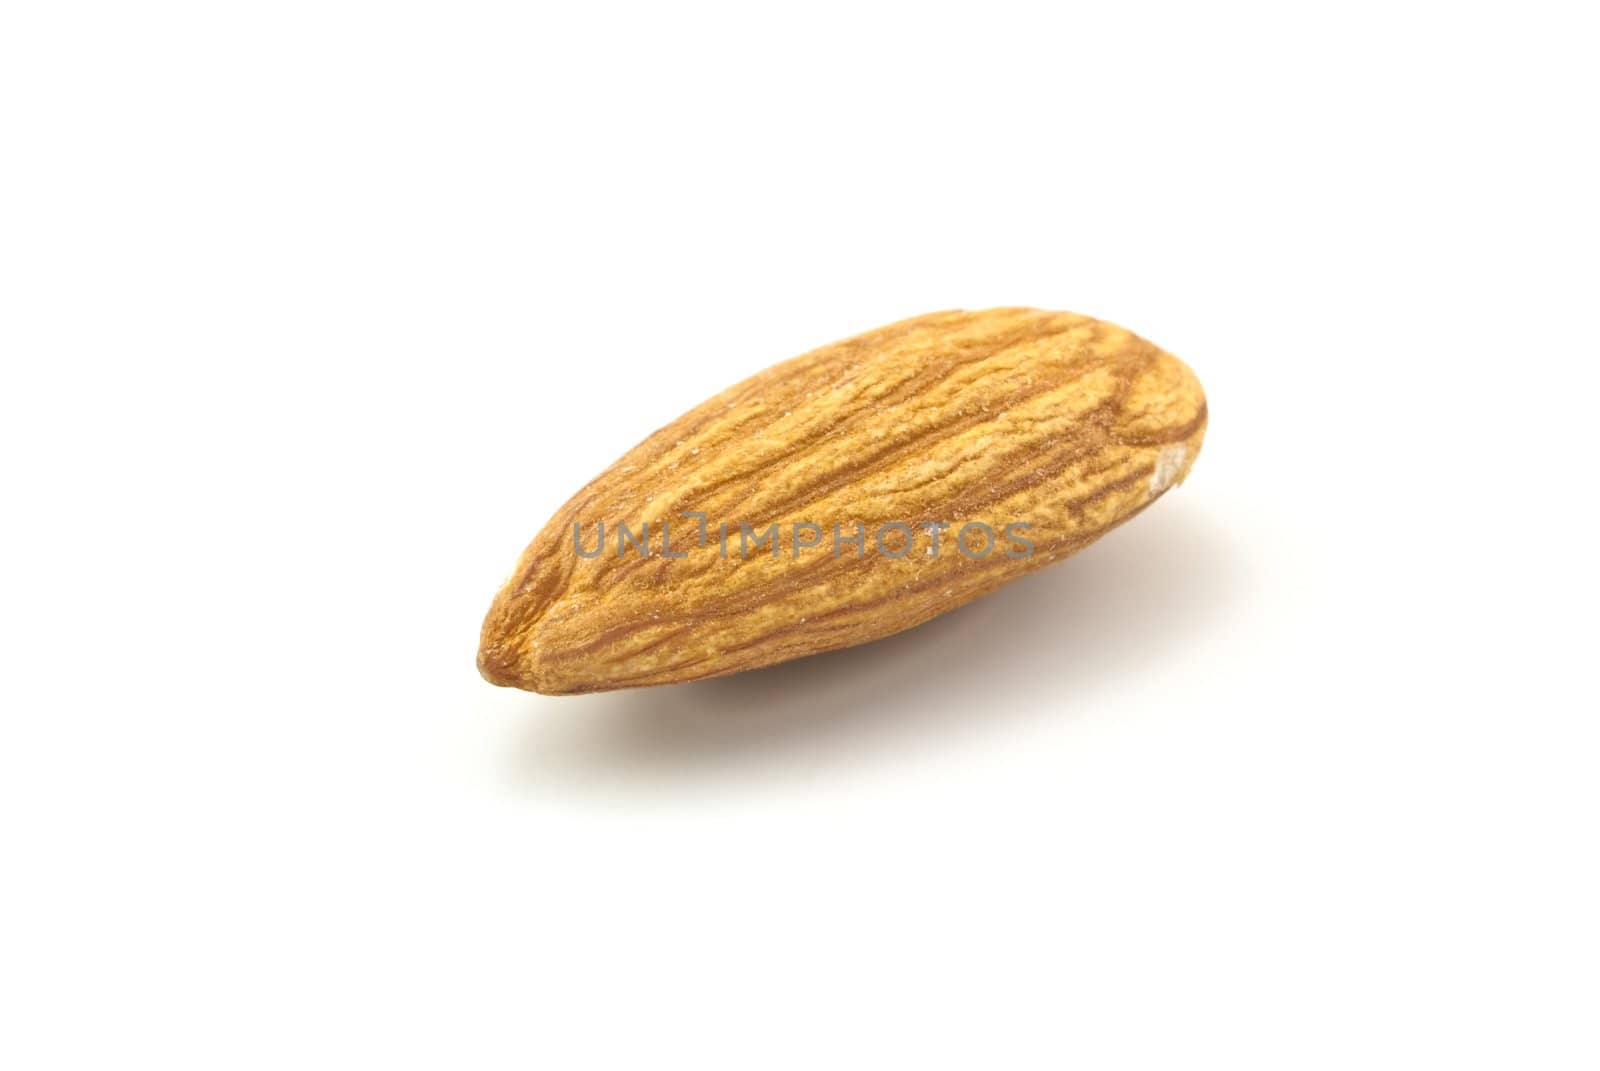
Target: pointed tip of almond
x,y
500,665
507,667
507,652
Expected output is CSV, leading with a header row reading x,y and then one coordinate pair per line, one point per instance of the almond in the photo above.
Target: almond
x,y
1028,433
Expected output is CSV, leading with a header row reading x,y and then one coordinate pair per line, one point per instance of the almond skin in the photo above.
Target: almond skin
x,y
1067,424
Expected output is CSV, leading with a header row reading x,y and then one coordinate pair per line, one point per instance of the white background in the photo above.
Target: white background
x,y
312,313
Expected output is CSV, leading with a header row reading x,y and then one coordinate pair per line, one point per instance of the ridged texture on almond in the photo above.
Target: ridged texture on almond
x,y
1066,423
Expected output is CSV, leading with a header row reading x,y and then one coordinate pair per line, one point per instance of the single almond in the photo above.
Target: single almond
x,y
1045,429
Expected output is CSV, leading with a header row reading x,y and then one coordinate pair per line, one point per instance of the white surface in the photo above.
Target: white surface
x,y
313,313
